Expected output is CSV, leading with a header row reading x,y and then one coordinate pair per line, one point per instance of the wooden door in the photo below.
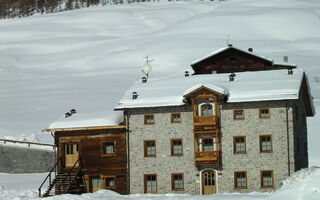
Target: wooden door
x,y
209,182
71,154
95,183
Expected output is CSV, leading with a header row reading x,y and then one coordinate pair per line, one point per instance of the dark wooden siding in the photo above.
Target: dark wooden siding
x,y
233,60
93,161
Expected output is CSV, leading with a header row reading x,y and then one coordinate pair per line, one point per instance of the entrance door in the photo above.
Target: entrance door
x,y
71,154
209,182
95,183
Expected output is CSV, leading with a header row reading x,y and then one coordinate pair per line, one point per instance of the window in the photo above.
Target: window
x,y
150,183
71,149
150,148
207,145
240,180
148,119
108,148
177,182
266,179
110,182
265,143
239,144
176,147
206,110
238,115
175,118
264,113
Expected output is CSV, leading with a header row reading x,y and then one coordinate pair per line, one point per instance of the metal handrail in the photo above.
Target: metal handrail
x,y
49,176
69,174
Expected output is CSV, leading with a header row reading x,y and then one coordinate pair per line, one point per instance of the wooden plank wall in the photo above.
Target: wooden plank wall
x,y
93,161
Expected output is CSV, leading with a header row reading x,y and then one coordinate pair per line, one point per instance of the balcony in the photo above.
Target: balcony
x,y
205,122
207,157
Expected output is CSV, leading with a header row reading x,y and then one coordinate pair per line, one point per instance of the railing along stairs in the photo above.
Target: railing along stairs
x,y
62,182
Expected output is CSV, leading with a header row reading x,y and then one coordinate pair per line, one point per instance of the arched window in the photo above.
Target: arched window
x,y
206,110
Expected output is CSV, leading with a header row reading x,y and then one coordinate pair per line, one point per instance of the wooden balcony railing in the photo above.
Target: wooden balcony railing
x,y
206,120
207,157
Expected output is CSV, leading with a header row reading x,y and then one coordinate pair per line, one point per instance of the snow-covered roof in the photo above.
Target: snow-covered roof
x,y
247,86
87,120
226,48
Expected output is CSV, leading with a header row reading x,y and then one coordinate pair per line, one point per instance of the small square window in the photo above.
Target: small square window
x,y
175,118
264,113
150,183
108,148
240,180
266,179
176,147
150,148
148,119
177,182
239,144
238,115
110,182
265,143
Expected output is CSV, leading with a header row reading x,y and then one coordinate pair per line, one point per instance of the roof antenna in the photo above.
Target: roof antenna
x,y
228,40
146,68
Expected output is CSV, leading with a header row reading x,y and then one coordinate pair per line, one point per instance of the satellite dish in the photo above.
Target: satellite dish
x,y
146,68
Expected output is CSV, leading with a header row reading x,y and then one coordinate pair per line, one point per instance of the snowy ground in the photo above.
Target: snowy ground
x,y
303,185
86,59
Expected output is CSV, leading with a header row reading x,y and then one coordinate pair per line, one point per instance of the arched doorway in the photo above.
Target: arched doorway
x,y
209,182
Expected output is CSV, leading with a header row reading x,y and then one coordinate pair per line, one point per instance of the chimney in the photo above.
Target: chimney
x,y
231,76
229,45
186,73
73,111
285,59
134,95
67,115
250,49
144,79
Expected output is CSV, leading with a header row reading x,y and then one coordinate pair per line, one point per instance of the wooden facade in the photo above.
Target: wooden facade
x,y
235,60
206,128
95,159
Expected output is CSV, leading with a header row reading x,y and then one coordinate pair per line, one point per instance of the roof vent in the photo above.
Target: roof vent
x,y
186,73
144,79
67,115
250,49
285,59
73,111
231,76
134,95
290,71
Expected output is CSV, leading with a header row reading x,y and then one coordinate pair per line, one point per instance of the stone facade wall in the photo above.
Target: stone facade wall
x,y
253,161
163,164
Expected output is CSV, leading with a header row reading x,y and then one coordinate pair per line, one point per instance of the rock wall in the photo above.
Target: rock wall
x,y
25,160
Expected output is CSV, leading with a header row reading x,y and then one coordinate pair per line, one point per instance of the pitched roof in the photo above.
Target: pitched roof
x,y
240,50
247,87
81,121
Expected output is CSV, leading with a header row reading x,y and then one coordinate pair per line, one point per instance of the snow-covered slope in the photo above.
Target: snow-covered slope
x,y
86,59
